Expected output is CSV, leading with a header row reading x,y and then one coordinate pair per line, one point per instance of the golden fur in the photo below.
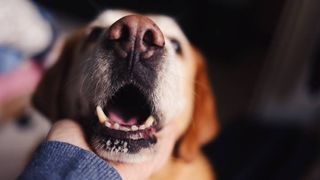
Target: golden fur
x,y
195,123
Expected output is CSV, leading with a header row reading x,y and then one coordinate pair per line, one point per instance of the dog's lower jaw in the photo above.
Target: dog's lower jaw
x,y
124,150
159,151
150,161
131,158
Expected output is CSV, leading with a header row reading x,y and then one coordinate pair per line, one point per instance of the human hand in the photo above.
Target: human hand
x,y
70,132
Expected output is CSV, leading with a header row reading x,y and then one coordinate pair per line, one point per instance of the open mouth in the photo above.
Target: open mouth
x,y
127,121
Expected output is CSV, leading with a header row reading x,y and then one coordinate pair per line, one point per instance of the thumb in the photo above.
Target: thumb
x,y
68,131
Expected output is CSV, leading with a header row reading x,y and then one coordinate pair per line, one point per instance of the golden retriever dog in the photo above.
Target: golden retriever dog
x,y
135,83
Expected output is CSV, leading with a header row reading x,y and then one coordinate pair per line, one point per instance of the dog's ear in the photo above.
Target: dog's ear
x,y
49,94
204,125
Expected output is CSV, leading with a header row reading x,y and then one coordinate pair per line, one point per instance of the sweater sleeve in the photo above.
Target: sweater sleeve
x,y
58,160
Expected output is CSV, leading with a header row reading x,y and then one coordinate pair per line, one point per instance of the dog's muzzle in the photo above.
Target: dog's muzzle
x,y
128,120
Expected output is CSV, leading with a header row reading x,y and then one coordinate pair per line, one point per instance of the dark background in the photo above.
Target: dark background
x,y
239,39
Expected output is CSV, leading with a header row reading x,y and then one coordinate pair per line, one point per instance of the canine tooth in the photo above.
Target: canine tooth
x,y
149,121
134,128
108,124
142,127
116,126
124,128
101,116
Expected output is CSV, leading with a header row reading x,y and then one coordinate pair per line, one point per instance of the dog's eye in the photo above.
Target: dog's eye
x,y
176,45
95,33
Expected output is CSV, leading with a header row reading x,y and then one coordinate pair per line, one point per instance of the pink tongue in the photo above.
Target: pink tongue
x,y
118,119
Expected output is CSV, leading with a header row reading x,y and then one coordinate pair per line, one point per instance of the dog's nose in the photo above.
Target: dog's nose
x,y
136,35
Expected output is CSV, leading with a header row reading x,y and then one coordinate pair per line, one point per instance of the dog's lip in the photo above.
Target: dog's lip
x,y
122,142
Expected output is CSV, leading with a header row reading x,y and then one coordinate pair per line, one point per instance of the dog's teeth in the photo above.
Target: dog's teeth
x,y
136,136
116,126
124,128
101,116
149,121
142,127
134,128
116,142
108,124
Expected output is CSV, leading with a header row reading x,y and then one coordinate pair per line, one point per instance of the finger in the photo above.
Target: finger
x,y
68,131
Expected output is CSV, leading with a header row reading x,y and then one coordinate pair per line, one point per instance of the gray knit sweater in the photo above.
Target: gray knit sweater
x,y
57,160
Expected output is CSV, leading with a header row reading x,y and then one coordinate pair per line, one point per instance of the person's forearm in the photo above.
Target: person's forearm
x,y
57,160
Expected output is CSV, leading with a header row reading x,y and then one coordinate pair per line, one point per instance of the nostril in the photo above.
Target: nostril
x,y
153,38
148,38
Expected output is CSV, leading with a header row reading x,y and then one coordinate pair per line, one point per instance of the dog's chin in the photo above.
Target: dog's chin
x,y
127,127
119,156
125,147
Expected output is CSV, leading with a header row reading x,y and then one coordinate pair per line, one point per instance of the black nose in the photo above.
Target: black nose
x,y
136,35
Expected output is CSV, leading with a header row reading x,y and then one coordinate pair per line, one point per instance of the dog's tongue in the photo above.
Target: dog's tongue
x,y
120,120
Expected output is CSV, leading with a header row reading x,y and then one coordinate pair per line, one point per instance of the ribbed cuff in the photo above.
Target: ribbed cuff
x,y
58,160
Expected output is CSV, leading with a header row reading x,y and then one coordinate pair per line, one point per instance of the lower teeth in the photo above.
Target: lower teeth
x,y
103,119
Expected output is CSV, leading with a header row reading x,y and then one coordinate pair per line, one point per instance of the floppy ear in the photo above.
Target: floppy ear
x,y
204,125
49,95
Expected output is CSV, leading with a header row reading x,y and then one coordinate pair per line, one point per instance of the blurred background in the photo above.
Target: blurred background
x,y
263,58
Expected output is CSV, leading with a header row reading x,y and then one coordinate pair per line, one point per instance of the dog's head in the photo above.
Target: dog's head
x,y
127,78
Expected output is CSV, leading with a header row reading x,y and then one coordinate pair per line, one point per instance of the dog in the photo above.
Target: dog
x,y
135,83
